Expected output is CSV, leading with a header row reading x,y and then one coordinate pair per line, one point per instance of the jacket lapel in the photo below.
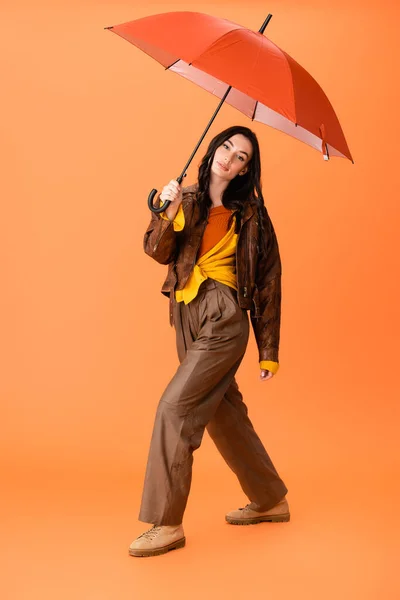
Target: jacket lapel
x,y
249,210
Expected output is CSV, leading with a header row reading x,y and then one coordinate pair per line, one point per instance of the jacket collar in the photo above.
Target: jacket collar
x,y
249,211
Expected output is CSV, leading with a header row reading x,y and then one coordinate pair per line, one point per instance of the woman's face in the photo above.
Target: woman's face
x,y
232,157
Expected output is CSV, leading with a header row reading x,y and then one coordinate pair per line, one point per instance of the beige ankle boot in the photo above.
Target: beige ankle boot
x,y
158,540
248,516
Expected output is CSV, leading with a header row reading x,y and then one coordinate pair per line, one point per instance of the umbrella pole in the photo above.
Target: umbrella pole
x,y
183,174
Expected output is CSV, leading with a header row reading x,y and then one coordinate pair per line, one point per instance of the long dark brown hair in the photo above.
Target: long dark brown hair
x,y
241,190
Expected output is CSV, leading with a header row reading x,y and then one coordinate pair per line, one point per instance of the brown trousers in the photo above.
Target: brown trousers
x,y
212,333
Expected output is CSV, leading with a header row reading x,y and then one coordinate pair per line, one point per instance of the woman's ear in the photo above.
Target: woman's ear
x,y
244,171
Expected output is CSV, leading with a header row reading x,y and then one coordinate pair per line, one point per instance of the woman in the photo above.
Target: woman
x,y
223,259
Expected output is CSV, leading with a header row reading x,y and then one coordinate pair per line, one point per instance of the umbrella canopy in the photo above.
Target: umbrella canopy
x,y
267,84
243,68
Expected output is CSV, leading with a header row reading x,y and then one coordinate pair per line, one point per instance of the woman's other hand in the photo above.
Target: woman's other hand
x,y
264,375
173,192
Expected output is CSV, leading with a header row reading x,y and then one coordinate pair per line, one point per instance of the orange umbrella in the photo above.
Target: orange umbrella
x,y
243,68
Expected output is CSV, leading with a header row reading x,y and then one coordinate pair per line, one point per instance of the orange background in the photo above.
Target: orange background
x,y
89,126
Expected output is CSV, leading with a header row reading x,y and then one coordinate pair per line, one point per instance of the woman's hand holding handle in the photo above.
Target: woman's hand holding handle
x,y
172,192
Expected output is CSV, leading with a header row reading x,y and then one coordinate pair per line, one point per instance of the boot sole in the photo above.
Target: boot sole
x,y
271,518
156,551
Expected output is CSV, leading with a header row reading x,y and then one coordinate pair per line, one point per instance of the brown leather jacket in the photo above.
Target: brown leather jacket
x,y
258,281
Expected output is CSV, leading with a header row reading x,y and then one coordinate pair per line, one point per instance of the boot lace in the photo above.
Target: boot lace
x,y
151,533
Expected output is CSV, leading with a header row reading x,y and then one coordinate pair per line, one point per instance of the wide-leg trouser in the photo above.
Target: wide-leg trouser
x,y
212,333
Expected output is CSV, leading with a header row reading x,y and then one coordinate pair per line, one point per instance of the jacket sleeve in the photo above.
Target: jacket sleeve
x,y
266,324
160,238
178,221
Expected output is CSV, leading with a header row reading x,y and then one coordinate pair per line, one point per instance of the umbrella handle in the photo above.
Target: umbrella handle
x,y
153,208
167,202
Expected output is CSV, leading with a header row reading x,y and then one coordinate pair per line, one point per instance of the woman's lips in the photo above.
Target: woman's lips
x,y
222,166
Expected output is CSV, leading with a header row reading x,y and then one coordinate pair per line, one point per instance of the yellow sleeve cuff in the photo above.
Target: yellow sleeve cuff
x,y
179,221
269,365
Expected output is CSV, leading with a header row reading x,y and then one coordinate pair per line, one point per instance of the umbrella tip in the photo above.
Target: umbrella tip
x,y
111,26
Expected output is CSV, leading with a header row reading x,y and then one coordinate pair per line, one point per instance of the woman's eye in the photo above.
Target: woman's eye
x,y
241,157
